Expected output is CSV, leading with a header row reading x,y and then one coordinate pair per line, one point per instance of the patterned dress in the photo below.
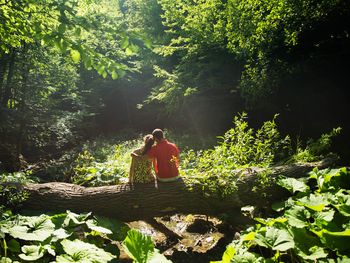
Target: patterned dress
x,y
141,169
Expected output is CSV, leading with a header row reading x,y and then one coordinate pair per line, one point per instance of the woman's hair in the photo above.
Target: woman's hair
x,y
148,140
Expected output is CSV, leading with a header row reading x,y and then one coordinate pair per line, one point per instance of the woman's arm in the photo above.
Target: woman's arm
x,y
132,171
136,153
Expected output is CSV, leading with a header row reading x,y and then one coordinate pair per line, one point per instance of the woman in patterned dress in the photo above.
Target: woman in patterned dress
x,y
141,170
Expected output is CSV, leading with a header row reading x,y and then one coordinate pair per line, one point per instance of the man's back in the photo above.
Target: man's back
x,y
166,155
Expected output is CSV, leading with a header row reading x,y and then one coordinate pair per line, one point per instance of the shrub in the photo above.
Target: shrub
x,y
103,164
239,147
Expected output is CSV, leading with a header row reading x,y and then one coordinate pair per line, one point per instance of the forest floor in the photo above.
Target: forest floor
x,y
186,238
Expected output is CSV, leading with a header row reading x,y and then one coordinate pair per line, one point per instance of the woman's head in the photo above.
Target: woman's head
x,y
148,142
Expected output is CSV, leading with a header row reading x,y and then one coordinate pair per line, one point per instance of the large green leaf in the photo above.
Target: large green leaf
x,y
345,233
314,253
158,258
293,185
32,253
79,251
306,243
336,240
247,257
58,219
60,234
297,216
33,228
118,228
7,260
325,178
92,224
314,202
342,203
73,219
324,217
138,246
14,246
66,258
227,256
5,227
270,221
276,239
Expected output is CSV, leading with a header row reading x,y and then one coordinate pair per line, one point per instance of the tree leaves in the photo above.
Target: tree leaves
x,y
67,26
75,55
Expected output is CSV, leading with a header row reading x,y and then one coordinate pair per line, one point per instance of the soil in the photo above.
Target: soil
x,y
186,238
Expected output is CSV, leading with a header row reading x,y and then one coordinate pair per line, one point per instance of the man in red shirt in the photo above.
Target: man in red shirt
x,y
165,157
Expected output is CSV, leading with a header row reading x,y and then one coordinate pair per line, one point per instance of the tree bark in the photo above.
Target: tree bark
x,y
140,201
3,67
22,107
8,86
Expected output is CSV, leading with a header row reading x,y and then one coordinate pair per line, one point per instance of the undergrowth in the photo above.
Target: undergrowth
x,y
107,161
312,226
217,169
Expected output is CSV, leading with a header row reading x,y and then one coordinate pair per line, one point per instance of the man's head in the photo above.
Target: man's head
x,y
158,135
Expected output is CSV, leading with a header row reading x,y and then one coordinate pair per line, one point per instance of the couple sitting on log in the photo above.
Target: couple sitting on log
x,y
164,156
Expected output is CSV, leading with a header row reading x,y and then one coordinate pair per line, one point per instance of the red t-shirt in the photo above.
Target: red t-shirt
x,y
166,157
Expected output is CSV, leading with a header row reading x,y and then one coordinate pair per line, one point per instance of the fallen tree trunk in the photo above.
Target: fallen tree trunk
x,y
140,201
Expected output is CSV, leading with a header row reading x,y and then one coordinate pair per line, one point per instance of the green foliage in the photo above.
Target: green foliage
x,y
313,226
140,248
70,27
104,164
12,196
192,25
263,37
45,106
79,251
316,149
265,33
66,237
217,169
18,177
170,92
244,146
